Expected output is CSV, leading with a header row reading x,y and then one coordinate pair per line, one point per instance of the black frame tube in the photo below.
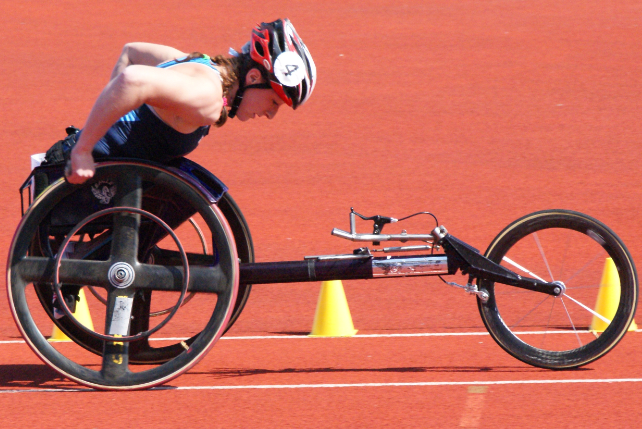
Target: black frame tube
x,y
305,271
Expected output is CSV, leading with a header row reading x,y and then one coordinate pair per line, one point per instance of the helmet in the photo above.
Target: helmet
x,y
284,61
279,49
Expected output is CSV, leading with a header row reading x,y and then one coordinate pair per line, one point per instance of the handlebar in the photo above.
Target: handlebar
x,y
379,221
403,237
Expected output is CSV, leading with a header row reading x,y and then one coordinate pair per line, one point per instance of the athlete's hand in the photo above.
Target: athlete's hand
x,y
80,168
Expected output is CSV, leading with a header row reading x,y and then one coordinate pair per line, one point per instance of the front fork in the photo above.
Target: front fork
x,y
468,259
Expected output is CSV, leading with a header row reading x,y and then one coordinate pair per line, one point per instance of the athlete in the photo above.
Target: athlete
x,y
160,101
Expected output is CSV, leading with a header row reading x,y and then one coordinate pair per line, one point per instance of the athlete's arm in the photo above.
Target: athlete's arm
x,y
147,54
190,92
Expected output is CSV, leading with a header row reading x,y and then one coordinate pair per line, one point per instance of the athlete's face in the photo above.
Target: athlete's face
x,y
257,101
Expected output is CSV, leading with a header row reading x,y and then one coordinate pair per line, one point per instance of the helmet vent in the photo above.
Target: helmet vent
x,y
259,49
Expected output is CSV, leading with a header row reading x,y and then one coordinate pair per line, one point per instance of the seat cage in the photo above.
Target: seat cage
x,y
97,197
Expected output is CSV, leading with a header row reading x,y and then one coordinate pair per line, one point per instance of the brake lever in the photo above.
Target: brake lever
x,y
379,222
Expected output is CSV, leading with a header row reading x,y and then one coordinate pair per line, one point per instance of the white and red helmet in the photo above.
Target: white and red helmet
x,y
291,71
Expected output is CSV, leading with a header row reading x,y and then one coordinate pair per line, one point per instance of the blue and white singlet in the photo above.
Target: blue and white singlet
x,y
141,134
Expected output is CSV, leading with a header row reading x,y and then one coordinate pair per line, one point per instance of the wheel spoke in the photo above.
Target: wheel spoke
x,y
548,323
567,246
585,266
80,272
527,314
170,278
115,364
35,269
128,191
126,225
124,245
593,286
117,323
541,251
515,264
572,324
119,307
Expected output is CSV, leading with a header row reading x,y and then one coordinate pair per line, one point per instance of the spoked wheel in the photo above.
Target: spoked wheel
x,y
559,332
180,215
245,249
132,230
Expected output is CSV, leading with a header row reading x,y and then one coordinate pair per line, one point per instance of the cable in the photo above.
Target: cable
x,y
428,213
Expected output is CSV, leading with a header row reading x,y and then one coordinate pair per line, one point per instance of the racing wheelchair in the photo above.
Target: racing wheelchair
x,y
117,236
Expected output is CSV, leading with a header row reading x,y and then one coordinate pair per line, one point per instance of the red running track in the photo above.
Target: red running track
x,y
477,111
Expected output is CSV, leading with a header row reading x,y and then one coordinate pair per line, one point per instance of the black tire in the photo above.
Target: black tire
x,y
116,374
558,333
244,247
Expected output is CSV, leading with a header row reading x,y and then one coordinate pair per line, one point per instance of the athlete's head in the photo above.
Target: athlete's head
x,y
277,47
282,61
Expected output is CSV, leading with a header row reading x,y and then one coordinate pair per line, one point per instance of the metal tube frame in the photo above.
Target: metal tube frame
x,y
458,256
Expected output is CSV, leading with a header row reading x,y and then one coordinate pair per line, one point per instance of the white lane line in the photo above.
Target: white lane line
x,y
413,384
294,337
347,385
594,313
46,390
425,334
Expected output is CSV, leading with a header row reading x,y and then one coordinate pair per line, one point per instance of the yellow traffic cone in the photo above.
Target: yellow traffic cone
x,y
332,318
81,314
608,298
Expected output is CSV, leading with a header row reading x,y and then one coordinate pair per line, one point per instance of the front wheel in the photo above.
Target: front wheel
x,y
596,273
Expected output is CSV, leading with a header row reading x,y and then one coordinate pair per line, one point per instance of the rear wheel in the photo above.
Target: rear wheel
x,y
596,273
122,238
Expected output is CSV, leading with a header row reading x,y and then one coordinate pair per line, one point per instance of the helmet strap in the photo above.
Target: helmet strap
x,y
238,98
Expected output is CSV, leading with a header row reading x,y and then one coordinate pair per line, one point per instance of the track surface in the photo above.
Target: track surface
x,y
480,112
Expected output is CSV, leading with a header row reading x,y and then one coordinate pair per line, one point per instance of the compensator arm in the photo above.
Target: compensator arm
x,y
470,261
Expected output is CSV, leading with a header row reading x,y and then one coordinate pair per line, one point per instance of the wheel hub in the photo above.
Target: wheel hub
x,y
561,286
121,275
